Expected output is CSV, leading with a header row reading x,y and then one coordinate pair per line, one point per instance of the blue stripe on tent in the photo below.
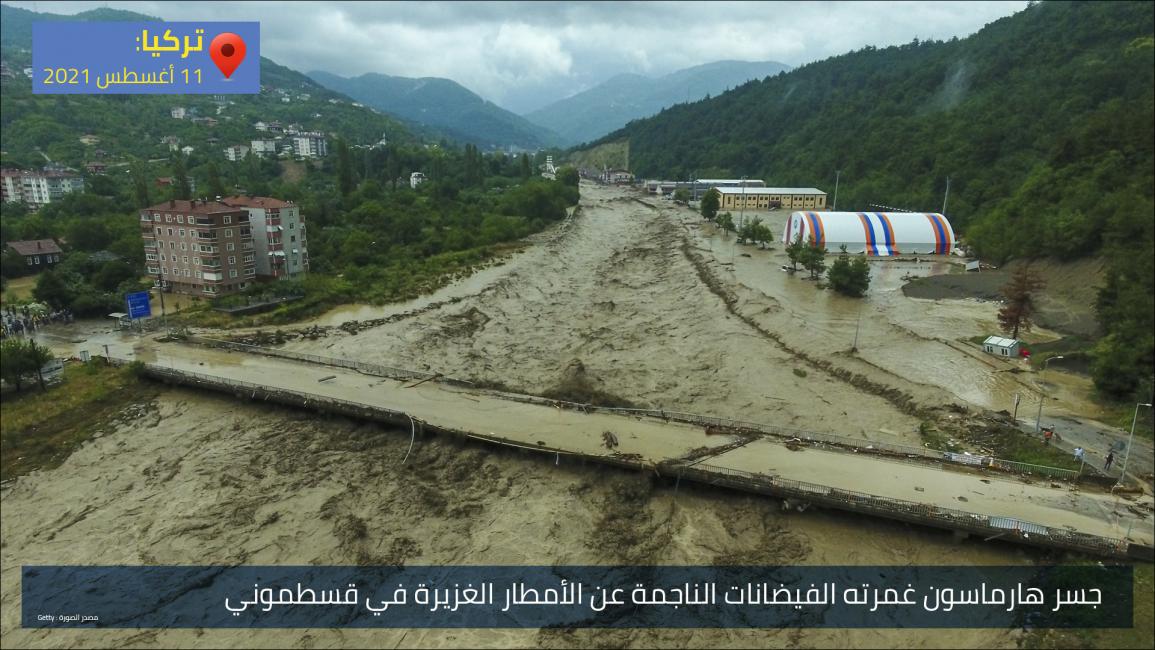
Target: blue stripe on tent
x,y
942,240
873,235
887,231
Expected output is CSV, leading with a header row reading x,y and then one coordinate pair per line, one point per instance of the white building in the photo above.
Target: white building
x,y
187,150
178,112
261,126
264,148
415,179
236,152
310,145
38,188
1001,347
280,245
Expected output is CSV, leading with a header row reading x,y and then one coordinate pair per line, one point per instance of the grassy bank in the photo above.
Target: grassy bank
x,y
402,280
40,429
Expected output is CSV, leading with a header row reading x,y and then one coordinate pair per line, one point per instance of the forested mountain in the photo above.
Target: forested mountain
x,y
609,105
1043,121
445,105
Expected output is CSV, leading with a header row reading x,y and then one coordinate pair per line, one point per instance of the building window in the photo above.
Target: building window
x,y
292,238
233,273
158,230
232,259
183,246
200,275
168,218
29,260
164,270
228,232
184,259
182,232
228,219
292,225
162,258
196,261
172,246
36,259
230,246
186,273
170,232
250,271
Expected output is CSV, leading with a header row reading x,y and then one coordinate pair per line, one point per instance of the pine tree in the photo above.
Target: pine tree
x,y
1018,311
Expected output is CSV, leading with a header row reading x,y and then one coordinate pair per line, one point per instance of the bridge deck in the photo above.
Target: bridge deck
x,y
654,442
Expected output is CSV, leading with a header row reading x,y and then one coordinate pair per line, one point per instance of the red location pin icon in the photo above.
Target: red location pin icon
x,y
227,51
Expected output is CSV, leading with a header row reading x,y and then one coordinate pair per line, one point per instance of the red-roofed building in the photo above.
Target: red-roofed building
x,y
199,247
37,253
278,235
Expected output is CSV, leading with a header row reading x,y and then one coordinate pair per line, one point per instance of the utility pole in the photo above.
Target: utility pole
x,y
742,213
1130,439
857,325
837,174
946,195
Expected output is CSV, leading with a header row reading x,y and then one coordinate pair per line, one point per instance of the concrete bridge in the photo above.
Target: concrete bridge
x,y
909,484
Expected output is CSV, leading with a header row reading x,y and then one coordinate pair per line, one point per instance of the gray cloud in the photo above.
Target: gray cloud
x,y
523,55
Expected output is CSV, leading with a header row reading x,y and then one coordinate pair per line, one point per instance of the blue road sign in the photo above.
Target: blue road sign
x,y
138,306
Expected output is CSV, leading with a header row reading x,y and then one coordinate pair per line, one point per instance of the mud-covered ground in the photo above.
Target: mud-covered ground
x,y
201,479
646,304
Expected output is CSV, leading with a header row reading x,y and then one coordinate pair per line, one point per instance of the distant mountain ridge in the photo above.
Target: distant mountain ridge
x,y
443,104
613,103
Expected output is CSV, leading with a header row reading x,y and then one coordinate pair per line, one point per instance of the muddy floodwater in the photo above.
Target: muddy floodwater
x,y
638,300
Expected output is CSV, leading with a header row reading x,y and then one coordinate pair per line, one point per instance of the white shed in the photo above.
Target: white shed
x,y
1001,347
874,233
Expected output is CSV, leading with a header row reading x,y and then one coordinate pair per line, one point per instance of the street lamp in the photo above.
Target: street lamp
x,y
1043,395
837,174
1130,439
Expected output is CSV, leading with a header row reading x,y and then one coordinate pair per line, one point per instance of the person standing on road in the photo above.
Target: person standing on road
x,y
1110,459
1079,454
1047,433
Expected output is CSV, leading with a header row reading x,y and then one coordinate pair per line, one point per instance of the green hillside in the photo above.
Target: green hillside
x,y
444,105
1043,121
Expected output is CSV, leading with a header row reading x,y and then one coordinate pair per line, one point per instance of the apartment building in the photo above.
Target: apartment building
x,y
37,188
278,236
199,247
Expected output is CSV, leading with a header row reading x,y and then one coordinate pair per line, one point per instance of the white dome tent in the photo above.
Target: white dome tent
x,y
880,234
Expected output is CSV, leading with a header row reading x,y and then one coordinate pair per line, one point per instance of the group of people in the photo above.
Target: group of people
x,y
26,319
1081,456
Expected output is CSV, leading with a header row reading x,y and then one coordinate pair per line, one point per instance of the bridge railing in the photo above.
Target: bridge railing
x,y
729,424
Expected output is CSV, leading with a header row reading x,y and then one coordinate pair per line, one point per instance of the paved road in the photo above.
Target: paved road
x,y
654,440
1098,439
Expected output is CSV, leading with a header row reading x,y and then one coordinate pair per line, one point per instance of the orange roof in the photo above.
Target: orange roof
x,y
255,202
191,207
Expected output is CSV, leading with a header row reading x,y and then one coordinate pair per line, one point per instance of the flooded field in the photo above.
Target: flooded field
x,y
199,479
640,302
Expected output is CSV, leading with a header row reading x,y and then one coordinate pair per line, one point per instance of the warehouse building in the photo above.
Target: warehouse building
x,y
874,233
768,198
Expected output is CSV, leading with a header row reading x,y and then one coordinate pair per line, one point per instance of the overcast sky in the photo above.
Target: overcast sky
x,y
523,55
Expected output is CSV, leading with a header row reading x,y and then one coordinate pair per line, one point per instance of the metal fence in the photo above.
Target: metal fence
x,y
900,508
810,437
834,497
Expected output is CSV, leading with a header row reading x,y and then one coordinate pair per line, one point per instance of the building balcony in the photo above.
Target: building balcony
x,y
213,277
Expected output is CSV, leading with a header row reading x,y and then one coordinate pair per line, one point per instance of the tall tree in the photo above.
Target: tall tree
x,y
215,186
526,170
181,188
711,201
1018,310
849,277
345,181
140,184
813,259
